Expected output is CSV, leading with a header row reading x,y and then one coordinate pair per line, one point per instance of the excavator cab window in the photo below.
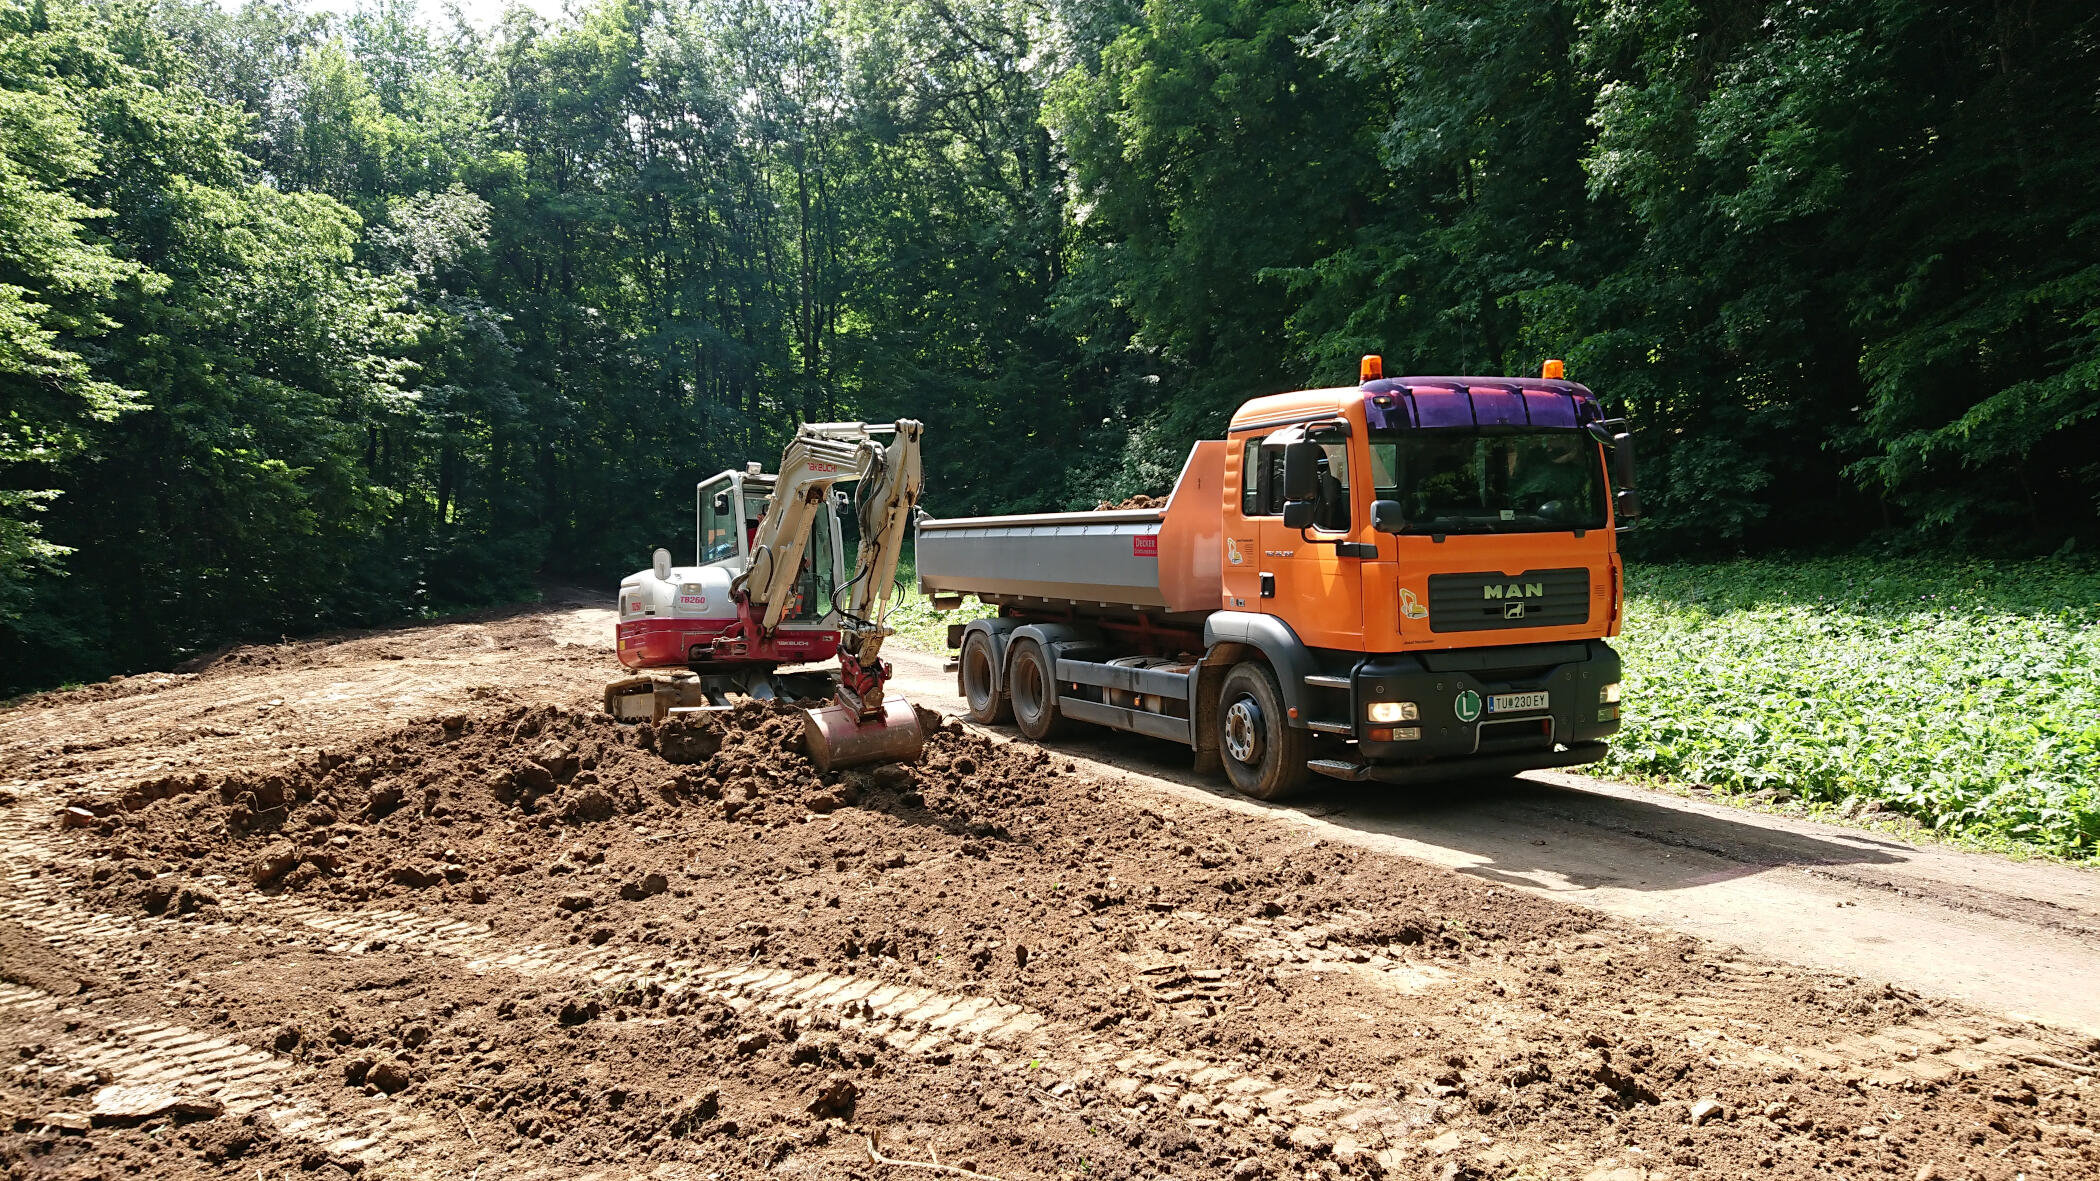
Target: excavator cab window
x,y
818,576
721,520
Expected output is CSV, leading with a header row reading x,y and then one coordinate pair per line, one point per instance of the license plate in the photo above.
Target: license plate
x,y
1512,703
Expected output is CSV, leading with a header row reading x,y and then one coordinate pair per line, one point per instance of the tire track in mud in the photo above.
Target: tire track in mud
x,y
923,1022
1721,1019
245,1079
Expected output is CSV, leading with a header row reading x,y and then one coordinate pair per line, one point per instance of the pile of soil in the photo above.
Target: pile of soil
x,y
1529,1033
443,808
250,706
1138,501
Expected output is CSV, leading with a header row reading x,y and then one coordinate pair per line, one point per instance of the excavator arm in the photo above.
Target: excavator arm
x,y
820,455
887,498
860,726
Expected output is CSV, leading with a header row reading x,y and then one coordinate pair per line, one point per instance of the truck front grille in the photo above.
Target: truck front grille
x,y
1492,600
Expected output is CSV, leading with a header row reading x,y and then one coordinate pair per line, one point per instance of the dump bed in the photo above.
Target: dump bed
x,y
1145,560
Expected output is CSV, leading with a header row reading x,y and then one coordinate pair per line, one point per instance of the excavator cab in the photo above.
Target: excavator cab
x,y
731,508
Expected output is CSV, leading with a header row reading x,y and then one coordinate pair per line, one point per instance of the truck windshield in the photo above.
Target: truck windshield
x,y
1467,482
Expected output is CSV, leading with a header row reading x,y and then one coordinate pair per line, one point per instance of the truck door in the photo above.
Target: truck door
x,y
1301,579
1241,563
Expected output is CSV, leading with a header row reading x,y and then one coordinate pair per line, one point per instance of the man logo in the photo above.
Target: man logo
x,y
1515,590
1513,610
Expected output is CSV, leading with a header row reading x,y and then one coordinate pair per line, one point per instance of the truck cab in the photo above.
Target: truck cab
x,y
1406,580
1449,560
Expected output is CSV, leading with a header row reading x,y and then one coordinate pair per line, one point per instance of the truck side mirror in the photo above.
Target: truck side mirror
x,y
1622,460
1301,471
1388,517
1298,514
1627,504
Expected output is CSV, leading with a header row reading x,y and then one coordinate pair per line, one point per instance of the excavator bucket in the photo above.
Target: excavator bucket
x,y
837,737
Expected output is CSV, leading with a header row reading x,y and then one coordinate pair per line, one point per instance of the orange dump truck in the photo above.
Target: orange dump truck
x,y
1404,581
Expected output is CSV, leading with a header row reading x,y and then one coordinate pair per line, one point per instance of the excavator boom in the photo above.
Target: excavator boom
x,y
860,726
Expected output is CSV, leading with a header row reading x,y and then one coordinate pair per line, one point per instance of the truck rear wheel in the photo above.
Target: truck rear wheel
x,y
1032,685
1264,755
980,692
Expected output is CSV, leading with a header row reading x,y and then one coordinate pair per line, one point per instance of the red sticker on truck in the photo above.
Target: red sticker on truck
x,y
1145,545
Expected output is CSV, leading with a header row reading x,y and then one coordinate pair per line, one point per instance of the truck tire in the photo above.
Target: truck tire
x,y
975,670
1031,683
1264,755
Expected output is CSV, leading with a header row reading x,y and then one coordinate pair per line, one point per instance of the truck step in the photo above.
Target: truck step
x,y
1337,769
1331,727
1323,681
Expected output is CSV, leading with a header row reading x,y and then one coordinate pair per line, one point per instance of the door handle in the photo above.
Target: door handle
x,y
1268,585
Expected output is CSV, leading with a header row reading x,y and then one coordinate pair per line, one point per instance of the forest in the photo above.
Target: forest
x,y
312,320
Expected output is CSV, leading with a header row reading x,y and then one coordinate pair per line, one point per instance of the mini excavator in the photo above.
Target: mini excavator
x,y
765,594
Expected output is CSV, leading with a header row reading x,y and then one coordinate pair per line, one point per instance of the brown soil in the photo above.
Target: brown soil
x,y
506,933
1138,501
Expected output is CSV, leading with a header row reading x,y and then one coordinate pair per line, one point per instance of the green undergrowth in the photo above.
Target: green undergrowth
x,y
918,624
1962,694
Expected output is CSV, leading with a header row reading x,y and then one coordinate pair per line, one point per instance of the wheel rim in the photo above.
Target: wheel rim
x,y
1028,688
977,676
1243,731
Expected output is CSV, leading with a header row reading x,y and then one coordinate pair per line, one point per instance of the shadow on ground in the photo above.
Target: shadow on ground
x,y
1507,830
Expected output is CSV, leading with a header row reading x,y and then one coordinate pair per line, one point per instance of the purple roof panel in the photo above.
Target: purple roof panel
x,y
1447,403
1494,406
1442,408
1388,412
1550,409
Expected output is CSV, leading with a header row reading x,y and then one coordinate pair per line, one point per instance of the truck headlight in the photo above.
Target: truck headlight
x,y
1393,711
1608,695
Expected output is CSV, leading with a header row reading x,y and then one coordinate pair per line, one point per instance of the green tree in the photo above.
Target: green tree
x,y
58,283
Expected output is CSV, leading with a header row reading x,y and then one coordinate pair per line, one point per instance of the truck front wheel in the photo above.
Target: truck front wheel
x,y
1032,684
1264,755
986,705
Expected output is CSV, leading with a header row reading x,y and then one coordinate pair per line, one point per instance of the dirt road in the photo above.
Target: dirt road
x,y
1998,933
407,906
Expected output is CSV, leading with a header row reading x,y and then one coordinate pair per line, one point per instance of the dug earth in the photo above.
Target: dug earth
x,y
512,936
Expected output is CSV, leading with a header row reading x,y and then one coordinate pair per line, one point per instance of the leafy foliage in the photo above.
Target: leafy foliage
x,y
310,320
1965,695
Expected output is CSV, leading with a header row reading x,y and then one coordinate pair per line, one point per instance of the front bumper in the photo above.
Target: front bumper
x,y
1453,690
1476,767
